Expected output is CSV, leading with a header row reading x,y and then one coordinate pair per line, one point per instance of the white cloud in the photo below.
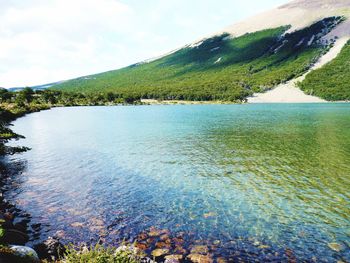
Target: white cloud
x,y
51,40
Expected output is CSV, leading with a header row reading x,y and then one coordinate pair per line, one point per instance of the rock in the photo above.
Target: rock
x,y
263,246
210,214
335,246
198,258
60,234
97,221
16,237
180,250
221,260
142,236
50,249
178,240
216,242
199,250
141,246
173,258
150,240
154,232
164,237
162,245
77,224
290,255
8,216
26,254
20,227
159,252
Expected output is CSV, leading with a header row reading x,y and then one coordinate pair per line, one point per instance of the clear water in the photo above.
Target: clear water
x,y
270,182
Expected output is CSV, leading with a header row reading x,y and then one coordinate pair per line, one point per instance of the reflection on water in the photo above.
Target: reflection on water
x,y
267,181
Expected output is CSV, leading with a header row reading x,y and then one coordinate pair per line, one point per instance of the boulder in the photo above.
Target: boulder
x,y
51,249
24,254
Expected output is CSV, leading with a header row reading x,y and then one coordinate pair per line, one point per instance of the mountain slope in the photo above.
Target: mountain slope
x,y
331,82
233,64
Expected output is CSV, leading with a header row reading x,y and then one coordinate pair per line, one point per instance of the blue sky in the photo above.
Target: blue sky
x,y
43,41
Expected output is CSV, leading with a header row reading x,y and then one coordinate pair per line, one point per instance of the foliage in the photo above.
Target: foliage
x,y
99,254
332,81
219,68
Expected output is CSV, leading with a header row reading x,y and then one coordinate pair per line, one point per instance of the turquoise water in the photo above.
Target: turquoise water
x,y
267,182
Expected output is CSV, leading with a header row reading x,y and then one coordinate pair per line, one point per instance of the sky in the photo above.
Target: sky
x,y
43,41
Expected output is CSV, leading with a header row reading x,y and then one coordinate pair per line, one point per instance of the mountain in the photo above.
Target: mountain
x,y
252,56
38,87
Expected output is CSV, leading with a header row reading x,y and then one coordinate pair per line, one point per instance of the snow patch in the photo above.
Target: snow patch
x,y
300,43
214,49
311,40
197,44
218,60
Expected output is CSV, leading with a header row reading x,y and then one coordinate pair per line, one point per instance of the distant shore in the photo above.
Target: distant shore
x,y
184,102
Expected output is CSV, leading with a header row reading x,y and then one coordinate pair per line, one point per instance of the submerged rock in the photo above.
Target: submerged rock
x,y
77,224
199,250
155,232
335,246
210,214
198,258
173,258
141,246
159,252
180,250
221,260
163,245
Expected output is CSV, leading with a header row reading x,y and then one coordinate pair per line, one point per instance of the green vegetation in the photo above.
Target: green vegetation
x,y
332,81
100,254
219,68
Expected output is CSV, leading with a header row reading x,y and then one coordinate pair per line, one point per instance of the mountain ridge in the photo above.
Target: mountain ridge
x,y
235,63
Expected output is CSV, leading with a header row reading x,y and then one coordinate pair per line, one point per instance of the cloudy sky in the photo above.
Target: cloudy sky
x,y
43,41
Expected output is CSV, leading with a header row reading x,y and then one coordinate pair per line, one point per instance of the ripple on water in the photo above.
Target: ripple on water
x,y
246,181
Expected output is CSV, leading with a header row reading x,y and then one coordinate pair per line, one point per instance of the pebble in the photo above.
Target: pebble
x,y
173,258
163,245
154,232
335,246
198,258
199,250
77,224
210,214
159,252
221,260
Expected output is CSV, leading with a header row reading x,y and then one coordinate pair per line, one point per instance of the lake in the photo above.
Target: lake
x,y
265,182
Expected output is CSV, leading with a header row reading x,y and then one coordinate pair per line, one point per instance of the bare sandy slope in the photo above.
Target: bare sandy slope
x,y
298,14
288,92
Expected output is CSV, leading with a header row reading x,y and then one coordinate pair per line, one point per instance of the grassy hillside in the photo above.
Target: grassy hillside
x,y
331,82
219,68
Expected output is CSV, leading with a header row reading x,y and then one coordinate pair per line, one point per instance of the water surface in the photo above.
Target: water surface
x,y
249,181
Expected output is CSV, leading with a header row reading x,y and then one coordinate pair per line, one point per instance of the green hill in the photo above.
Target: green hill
x,y
331,82
218,68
